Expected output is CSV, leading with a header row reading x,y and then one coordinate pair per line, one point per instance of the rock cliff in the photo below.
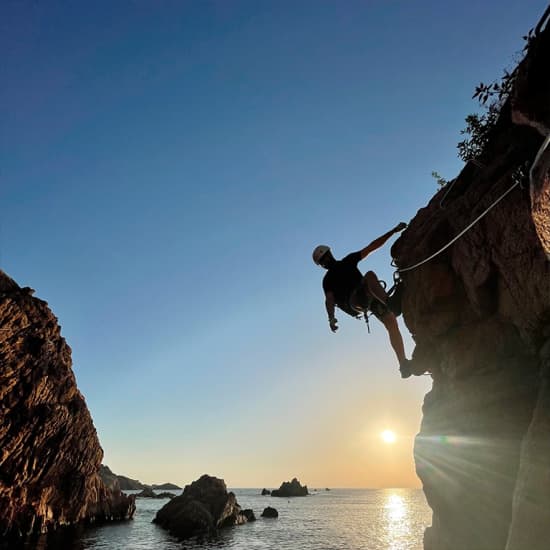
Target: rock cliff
x,y
49,450
480,316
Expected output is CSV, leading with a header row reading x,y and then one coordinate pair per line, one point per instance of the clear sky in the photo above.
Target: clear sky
x,y
167,168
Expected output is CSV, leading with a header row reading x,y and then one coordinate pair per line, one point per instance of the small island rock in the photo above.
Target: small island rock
x,y
290,489
266,492
270,512
166,487
204,507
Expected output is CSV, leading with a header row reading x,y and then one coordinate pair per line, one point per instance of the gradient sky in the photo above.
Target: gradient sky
x,y
167,168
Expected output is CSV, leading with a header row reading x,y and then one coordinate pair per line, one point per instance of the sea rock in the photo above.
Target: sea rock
x,y
290,489
122,482
270,512
149,493
480,316
249,514
204,507
50,454
166,487
265,492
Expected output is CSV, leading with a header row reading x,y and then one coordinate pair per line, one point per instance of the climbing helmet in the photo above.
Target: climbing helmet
x,y
319,252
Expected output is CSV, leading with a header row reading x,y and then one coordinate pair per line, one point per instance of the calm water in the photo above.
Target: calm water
x,y
370,519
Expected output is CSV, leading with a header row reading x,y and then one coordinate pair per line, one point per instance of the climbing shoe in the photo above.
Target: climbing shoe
x,y
405,368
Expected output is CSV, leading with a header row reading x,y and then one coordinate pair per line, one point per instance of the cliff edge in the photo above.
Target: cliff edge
x,y
479,313
49,450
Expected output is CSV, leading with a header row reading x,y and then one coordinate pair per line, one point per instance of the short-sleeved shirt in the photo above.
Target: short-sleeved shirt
x,y
342,279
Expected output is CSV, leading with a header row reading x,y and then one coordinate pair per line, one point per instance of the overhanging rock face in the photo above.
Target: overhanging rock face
x,y
480,316
49,450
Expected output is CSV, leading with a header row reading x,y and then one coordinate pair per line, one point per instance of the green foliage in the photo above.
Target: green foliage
x,y
491,97
441,181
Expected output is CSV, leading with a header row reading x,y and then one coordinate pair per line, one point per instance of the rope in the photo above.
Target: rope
x,y
402,270
538,157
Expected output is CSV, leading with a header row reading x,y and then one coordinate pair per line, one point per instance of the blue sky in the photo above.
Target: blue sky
x,y
166,170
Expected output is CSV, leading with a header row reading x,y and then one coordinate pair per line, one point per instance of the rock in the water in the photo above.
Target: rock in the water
x,y
290,489
249,514
270,512
125,483
166,487
49,450
147,493
265,492
202,508
165,494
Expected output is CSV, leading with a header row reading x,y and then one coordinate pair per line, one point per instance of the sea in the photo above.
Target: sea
x,y
335,519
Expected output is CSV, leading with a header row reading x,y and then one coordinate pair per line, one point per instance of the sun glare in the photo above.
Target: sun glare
x,y
388,436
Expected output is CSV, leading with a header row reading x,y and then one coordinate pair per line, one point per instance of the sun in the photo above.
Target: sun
x,y
388,436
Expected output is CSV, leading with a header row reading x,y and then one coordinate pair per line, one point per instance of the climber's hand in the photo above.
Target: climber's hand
x,y
400,226
333,324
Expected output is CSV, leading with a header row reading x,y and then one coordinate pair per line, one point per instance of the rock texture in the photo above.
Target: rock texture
x,y
204,507
480,316
49,450
290,489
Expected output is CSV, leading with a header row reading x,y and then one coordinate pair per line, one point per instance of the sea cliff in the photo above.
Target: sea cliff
x,y
49,449
479,313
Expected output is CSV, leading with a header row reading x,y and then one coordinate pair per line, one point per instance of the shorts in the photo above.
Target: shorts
x,y
361,302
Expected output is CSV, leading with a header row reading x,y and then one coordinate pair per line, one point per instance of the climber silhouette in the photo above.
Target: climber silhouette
x,y
353,293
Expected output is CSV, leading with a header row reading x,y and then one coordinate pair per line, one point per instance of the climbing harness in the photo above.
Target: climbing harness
x,y
368,312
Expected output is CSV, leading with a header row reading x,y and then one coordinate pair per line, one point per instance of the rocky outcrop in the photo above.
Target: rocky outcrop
x,y
127,484
124,483
290,489
480,316
49,450
266,492
149,493
204,507
166,487
270,512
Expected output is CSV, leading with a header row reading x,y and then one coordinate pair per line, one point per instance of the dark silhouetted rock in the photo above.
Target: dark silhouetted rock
x,y
270,512
202,508
166,487
265,492
290,489
249,514
480,315
50,454
124,483
128,484
147,493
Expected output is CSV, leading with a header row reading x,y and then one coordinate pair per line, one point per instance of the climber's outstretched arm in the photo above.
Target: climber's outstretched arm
x,y
377,243
330,304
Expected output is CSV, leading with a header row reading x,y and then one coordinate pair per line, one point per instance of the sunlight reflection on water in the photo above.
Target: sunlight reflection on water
x,y
341,519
